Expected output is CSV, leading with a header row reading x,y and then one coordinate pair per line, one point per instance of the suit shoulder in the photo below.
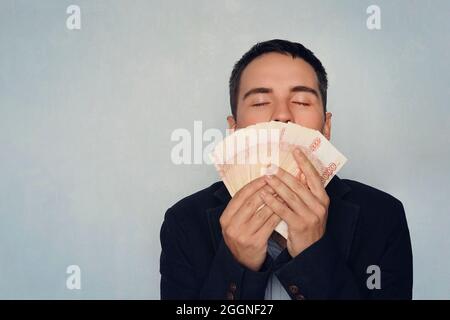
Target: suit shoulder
x,y
191,207
373,199
381,215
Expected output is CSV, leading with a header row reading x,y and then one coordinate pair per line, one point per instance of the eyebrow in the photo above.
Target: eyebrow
x,y
269,90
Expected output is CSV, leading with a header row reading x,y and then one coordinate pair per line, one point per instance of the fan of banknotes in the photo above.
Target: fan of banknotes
x,y
257,150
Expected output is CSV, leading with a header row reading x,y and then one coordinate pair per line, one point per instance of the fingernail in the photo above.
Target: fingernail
x,y
271,170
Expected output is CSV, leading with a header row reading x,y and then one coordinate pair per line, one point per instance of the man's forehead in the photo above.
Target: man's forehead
x,y
276,71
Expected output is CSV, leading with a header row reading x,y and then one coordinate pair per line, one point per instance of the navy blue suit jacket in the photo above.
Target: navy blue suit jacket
x,y
365,227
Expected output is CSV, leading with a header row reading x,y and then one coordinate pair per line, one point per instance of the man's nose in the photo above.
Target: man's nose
x,y
282,113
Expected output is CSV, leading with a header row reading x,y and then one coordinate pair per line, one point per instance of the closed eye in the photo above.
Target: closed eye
x,y
301,103
259,104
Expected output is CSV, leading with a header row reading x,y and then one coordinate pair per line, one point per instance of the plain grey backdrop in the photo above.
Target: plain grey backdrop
x,y
86,118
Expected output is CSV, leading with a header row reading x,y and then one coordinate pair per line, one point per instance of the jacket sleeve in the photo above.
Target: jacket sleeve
x,y
227,278
177,272
396,264
320,272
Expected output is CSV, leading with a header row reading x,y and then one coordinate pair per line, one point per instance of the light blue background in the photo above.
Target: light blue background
x,y
86,118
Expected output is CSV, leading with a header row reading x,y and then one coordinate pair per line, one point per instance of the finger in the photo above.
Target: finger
x,y
312,176
278,208
267,228
309,209
262,212
279,199
257,220
302,178
241,196
297,187
289,196
269,189
252,205
247,210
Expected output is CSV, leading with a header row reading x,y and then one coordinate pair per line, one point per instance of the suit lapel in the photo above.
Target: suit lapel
x,y
342,215
341,224
213,215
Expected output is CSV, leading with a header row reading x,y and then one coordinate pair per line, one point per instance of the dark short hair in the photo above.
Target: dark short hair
x,y
296,50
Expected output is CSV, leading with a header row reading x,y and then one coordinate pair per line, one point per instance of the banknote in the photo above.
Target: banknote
x,y
256,150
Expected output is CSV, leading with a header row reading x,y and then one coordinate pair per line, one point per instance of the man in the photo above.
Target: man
x,y
345,241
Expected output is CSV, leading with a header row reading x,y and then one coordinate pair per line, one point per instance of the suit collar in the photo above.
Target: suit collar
x,y
341,223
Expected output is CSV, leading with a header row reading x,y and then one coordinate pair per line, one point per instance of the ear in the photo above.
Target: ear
x,y
327,126
231,123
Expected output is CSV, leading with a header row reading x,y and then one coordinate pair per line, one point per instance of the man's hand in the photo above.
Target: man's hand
x,y
246,229
306,204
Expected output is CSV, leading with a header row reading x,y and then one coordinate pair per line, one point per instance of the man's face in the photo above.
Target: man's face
x,y
278,87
